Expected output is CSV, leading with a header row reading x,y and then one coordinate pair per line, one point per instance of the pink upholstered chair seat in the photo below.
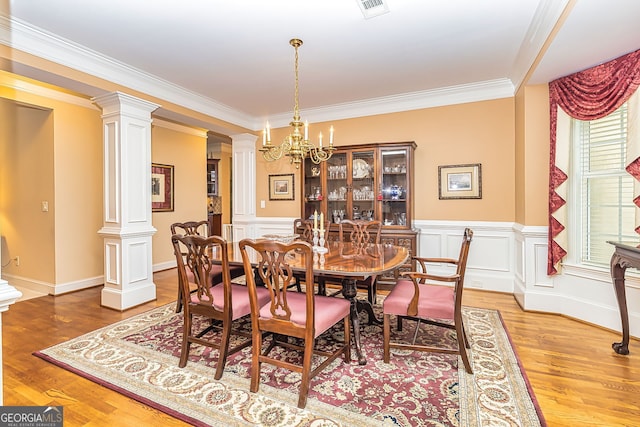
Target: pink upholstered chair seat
x,y
328,310
435,302
239,296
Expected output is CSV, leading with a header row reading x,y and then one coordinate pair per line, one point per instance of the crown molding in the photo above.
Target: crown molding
x,y
461,94
21,35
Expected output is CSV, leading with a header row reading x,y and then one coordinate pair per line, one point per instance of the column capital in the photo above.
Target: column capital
x,y
118,102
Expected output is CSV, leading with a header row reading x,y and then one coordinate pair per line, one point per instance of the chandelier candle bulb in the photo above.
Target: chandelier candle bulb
x,y
331,136
268,134
306,130
320,140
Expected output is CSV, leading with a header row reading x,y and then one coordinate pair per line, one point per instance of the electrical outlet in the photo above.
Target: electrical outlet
x,y
17,260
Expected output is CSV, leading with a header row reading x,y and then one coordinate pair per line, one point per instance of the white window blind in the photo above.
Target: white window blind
x,y
606,189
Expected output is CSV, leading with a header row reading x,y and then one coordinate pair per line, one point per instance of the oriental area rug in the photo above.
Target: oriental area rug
x,y
138,357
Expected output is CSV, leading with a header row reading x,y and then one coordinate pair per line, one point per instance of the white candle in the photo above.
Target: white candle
x,y
315,220
306,130
268,133
320,140
331,136
264,137
321,222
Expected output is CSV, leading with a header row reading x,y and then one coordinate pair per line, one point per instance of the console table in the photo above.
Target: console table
x,y
626,255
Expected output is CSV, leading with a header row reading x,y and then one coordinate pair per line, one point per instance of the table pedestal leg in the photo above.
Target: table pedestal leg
x,y
349,292
617,274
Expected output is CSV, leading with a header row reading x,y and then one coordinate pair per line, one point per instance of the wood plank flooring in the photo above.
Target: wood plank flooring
x,y
576,376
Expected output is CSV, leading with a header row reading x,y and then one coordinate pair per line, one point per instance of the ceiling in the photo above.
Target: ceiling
x,y
232,59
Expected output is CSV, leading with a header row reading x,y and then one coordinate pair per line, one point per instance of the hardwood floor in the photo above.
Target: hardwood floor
x,y
576,376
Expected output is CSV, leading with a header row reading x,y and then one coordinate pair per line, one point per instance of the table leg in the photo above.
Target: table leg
x,y
617,274
349,292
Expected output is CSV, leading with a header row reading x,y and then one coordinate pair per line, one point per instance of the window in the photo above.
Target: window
x,y
603,189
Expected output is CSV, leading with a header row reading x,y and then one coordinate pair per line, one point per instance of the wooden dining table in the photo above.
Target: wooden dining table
x,y
349,263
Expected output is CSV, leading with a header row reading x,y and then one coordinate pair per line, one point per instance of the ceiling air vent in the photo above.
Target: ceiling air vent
x,y
372,8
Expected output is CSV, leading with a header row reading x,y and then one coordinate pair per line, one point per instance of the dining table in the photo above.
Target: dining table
x,y
349,263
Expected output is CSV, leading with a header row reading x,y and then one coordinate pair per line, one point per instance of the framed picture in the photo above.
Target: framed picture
x,y
460,181
281,187
161,188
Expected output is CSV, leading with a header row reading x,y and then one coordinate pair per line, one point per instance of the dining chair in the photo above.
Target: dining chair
x,y
430,299
302,315
361,233
222,304
200,228
304,227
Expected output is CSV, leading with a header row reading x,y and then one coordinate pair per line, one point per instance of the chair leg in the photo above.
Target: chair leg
x,y
386,334
372,293
460,336
256,349
186,344
322,286
223,350
306,374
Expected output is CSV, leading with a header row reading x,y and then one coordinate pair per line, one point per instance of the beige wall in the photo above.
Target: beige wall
x,y
188,154
532,155
56,156
52,151
479,132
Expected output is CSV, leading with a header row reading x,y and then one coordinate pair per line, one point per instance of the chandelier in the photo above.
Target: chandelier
x,y
296,145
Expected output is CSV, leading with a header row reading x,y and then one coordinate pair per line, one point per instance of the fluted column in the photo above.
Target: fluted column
x,y
127,228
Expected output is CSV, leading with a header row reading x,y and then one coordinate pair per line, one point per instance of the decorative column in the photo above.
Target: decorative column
x,y
244,185
127,228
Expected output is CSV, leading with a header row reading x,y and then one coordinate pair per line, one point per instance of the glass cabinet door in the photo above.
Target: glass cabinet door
x,y
337,187
363,187
394,187
313,191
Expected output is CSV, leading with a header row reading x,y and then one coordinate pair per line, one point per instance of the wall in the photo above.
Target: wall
x,y
186,149
57,150
480,132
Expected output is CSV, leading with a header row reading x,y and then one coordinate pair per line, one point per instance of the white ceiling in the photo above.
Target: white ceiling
x,y
231,59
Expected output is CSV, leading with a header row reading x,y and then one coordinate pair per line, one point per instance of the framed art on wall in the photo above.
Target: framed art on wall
x,y
281,187
161,188
460,181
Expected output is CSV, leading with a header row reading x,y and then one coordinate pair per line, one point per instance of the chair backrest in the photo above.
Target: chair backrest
x,y
359,232
190,228
195,262
464,254
303,227
270,260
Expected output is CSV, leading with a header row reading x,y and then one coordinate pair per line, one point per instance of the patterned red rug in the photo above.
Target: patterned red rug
x,y
139,357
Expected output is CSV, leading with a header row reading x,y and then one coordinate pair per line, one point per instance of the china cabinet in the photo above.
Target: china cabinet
x,y
366,182
212,177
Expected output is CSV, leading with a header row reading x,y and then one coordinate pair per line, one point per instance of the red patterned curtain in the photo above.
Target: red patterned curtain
x,y
587,95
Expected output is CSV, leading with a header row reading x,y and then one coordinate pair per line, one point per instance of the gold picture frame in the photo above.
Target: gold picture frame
x,y
281,187
161,188
460,181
